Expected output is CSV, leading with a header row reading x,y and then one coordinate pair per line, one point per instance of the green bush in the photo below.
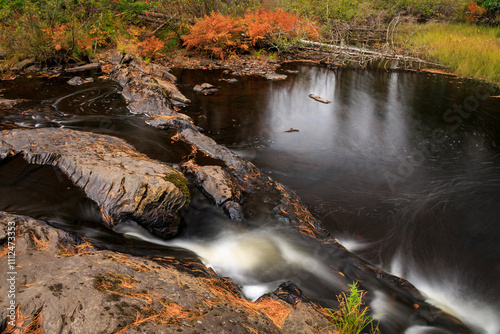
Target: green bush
x,y
490,5
63,30
422,8
352,316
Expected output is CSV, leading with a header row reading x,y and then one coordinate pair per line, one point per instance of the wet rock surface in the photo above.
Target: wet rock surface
x,y
216,183
9,103
148,89
124,183
275,77
75,81
205,89
65,285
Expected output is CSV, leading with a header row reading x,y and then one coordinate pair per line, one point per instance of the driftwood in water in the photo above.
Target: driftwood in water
x,y
319,99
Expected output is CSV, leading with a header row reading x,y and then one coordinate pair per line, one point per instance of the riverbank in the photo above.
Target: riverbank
x,y
468,50
272,32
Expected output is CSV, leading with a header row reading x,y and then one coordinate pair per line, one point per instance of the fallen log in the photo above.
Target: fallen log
x,y
360,52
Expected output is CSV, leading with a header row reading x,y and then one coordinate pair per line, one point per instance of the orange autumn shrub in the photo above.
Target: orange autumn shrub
x,y
216,34
277,24
474,11
60,40
221,35
151,47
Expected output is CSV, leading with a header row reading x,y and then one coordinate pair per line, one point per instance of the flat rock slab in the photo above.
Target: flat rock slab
x,y
75,288
124,183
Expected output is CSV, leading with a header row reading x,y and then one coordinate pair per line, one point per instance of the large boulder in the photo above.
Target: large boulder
x,y
124,183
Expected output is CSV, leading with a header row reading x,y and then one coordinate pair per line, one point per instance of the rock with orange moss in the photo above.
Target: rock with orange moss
x,y
64,284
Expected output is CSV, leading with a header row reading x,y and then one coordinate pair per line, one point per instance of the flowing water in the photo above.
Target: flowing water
x,y
402,168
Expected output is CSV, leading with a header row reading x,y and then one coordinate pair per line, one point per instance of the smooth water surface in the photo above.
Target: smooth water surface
x,y
403,168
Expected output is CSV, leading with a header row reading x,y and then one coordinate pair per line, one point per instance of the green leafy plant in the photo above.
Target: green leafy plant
x,y
352,315
491,5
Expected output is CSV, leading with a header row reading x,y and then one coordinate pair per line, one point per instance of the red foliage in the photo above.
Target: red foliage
x,y
264,24
474,11
151,47
221,35
216,34
56,37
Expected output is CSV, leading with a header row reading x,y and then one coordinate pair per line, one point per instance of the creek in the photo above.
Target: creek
x,y
402,168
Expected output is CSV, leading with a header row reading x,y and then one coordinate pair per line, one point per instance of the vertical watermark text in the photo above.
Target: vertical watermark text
x,y
11,274
454,117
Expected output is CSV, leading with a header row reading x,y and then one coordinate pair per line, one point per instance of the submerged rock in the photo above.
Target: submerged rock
x,y
124,183
75,81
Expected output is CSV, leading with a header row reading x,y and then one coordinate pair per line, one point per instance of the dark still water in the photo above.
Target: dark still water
x,y
403,168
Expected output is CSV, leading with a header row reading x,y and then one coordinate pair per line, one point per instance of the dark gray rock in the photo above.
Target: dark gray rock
x,y
121,75
22,64
127,58
172,91
115,58
125,184
75,81
216,183
152,96
205,89
209,146
145,96
175,121
233,210
154,70
34,68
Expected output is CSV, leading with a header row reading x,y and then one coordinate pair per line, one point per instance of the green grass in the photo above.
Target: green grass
x,y
352,317
468,50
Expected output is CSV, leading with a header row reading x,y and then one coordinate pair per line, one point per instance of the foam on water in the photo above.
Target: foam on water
x,y
259,260
446,294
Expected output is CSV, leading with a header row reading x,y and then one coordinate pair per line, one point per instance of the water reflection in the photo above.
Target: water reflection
x,y
403,167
